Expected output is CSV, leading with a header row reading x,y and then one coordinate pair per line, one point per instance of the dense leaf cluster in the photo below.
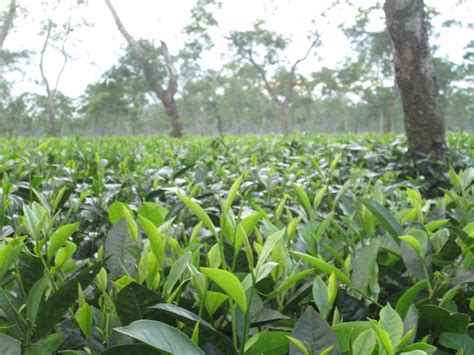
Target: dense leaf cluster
x,y
257,245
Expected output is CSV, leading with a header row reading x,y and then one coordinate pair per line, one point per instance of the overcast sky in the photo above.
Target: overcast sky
x,y
96,48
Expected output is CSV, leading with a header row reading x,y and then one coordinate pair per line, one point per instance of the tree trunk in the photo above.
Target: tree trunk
x,y
285,109
166,96
50,108
217,115
415,76
172,111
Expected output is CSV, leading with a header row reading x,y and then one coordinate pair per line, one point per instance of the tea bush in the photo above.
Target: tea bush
x,y
257,245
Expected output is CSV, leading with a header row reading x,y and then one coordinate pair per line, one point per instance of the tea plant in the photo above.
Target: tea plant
x,y
259,245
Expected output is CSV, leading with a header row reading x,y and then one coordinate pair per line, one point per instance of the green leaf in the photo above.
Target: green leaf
x,y
59,237
232,193
290,281
324,267
413,242
384,338
314,332
64,254
229,283
427,348
116,211
151,212
214,300
118,245
35,296
364,269
161,336
268,246
45,346
452,322
457,341
267,343
321,296
53,309
299,345
155,237
84,319
199,212
385,218
129,349
409,297
178,268
303,197
133,303
332,289
9,345
364,343
131,224
391,322
348,331
207,332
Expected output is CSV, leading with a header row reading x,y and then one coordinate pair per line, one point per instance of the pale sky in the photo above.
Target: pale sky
x,y
96,48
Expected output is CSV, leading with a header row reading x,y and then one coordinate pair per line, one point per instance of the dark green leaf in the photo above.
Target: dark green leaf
x,y
385,218
133,303
53,309
161,336
314,332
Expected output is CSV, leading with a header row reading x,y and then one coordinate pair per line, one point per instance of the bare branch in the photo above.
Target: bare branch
x,y
128,37
7,25
50,94
43,53
173,74
308,52
263,76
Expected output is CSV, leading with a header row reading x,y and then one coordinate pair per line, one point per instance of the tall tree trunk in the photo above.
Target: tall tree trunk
x,y
166,96
285,109
50,108
8,22
217,115
414,71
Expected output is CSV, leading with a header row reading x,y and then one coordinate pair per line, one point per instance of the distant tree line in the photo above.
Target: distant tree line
x,y
257,89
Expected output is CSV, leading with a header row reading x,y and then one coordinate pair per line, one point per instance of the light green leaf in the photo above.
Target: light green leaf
x,y
59,237
232,193
199,212
299,345
155,237
229,283
413,242
84,319
268,247
151,211
176,271
214,300
131,224
324,267
365,343
391,322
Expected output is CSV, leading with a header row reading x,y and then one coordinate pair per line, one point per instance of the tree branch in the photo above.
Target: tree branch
x,y
151,74
263,75
43,52
7,25
128,37
173,74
